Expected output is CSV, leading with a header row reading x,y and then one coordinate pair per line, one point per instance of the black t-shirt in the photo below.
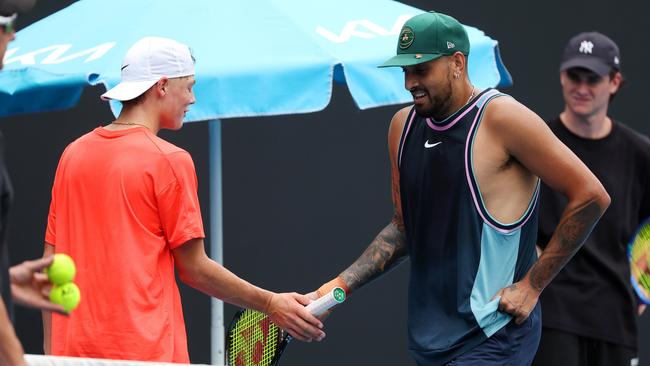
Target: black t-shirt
x,y
6,195
592,296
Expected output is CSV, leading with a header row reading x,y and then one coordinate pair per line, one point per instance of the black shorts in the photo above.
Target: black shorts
x,y
562,348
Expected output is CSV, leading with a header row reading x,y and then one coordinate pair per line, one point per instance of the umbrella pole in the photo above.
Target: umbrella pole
x,y
216,238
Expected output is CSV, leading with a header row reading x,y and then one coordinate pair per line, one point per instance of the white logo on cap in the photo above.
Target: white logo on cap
x,y
616,61
450,45
586,47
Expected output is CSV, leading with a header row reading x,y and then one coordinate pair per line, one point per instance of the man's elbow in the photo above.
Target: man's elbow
x,y
605,200
599,195
190,276
589,194
196,275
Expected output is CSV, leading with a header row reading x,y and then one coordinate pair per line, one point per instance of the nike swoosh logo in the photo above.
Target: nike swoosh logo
x,y
428,145
124,67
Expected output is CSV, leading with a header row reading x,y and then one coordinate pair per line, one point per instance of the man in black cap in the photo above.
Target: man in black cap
x,y
590,307
24,283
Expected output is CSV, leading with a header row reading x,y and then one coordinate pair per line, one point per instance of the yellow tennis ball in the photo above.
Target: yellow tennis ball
x,y
66,295
62,269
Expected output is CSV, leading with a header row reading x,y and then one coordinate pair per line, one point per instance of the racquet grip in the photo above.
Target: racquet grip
x,y
324,303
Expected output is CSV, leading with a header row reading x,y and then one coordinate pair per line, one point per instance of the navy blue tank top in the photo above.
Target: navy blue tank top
x,y
460,255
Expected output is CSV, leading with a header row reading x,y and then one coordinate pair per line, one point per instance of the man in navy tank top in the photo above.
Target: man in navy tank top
x,y
466,168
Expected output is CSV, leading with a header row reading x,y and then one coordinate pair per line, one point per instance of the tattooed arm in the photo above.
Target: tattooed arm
x,y
520,298
572,230
388,249
526,138
384,253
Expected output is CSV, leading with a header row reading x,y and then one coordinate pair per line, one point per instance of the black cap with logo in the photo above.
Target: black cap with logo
x,y
593,51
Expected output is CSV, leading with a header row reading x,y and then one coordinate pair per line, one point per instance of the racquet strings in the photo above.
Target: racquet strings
x,y
640,253
253,340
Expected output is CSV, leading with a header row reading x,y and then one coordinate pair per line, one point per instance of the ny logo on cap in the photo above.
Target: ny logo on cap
x,y
586,47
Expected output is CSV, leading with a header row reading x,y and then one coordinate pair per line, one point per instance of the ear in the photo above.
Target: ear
x,y
615,83
458,64
161,86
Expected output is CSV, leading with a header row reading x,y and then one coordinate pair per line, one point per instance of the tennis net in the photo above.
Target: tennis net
x,y
40,360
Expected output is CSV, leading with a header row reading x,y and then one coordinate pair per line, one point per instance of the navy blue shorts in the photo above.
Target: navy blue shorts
x,y
513,344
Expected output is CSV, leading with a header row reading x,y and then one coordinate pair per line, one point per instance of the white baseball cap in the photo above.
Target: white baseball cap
x,y
146,62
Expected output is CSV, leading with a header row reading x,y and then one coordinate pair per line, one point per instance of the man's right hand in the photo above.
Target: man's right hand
x,y
31,287
315,295
287,310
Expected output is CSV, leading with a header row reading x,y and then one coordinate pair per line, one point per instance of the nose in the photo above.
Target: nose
x,y
192,99
410,82
582,87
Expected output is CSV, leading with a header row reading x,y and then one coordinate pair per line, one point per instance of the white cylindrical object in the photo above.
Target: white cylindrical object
x,y
321,305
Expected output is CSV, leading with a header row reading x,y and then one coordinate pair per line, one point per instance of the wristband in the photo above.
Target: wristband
x,y
329,286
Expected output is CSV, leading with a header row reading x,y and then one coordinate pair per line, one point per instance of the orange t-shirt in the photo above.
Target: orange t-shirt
x,y
121,201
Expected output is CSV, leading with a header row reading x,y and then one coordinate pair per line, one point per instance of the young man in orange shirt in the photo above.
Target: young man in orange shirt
x,y
23,283
125,207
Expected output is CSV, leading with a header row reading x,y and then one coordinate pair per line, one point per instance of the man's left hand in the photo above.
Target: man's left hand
x,y
518,300
31,287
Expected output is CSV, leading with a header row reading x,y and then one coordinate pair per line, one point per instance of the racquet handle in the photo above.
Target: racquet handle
x,y
322,304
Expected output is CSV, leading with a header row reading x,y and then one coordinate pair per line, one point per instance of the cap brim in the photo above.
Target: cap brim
x,y
409,59
128,90
589,63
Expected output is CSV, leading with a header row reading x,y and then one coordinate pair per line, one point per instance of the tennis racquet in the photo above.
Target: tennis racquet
x,y
253,340
639,255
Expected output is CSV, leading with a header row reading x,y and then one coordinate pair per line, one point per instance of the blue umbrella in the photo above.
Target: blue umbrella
x,y
254,57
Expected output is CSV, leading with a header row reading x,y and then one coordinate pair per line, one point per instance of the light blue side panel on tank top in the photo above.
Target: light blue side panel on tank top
x,y
496,270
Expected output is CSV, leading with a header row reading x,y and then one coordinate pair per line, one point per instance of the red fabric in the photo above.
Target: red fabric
x,y
121,201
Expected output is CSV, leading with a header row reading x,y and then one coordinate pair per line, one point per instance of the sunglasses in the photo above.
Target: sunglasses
x,y
8,24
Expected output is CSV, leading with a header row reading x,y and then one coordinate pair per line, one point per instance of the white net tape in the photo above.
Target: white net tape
x,y
39,360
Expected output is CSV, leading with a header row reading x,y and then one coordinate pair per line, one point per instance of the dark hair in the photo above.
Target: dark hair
x,y
612,74
132,102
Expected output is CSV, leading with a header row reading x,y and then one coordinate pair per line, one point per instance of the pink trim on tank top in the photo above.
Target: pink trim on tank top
x,y
487,96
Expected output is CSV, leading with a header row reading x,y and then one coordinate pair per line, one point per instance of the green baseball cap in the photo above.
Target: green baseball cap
x,y
428,36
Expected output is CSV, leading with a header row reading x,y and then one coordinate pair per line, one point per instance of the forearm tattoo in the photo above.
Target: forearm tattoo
x,y
569,235
386,251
